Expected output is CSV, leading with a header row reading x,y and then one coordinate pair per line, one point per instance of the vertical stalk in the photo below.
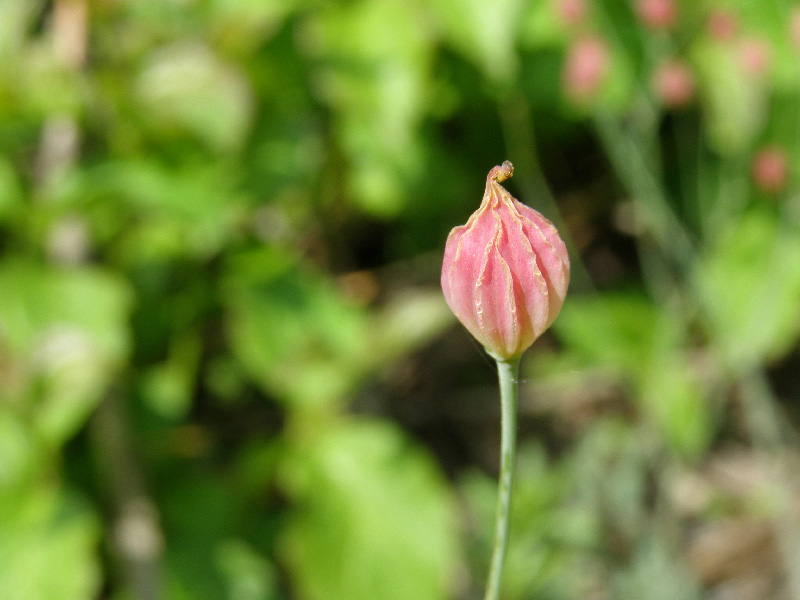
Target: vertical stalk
x,y
507,371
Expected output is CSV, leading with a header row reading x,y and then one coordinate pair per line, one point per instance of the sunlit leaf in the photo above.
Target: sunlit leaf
x,y
187,86
749,287
675,402
616,331
291,330
735,106
69,330
485,33
371,518
48,548
373,69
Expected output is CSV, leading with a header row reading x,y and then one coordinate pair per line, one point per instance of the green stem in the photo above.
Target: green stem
x,y
507,373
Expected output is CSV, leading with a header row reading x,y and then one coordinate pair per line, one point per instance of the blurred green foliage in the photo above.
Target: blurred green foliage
x,y
226,368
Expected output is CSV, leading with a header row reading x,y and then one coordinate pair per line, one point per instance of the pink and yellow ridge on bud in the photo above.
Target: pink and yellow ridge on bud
x,y
505,272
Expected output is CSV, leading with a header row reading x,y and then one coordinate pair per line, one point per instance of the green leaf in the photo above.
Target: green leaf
x,y
541,521
247,574
541,26
10,190
67,330
48,545
19,455
371,518
168,387
16,17
673,398
657,573
187,86
486,34
615,331
749,288
406,323
158,210
609,473
735,106
291,329
244,24
374,71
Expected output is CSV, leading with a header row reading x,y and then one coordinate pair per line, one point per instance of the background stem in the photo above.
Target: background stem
x,y
507,371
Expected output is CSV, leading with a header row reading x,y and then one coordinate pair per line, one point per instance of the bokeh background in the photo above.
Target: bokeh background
x,y
226,367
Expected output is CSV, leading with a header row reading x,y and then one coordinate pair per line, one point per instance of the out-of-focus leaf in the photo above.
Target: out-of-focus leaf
x,y
371,518
541,26
45,86
67,331
374,71
244,24
772,25
616,331
187,87
18,452
620,84
247,574
657,574
291,330
675,402
609,474
200,515
749,288
10,190
48,547
16,17
406,323
485,34
541,521
174,210
168,387
734,106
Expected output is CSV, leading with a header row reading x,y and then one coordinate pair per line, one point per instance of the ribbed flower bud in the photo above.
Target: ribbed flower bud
x,y
505,272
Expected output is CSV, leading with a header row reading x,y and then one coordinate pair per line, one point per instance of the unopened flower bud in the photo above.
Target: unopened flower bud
x,y
770,170
723,25
657,14
585,68
571,12
505,272
754,56
673,83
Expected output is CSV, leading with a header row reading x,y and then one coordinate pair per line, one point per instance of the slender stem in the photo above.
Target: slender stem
x,y
507,373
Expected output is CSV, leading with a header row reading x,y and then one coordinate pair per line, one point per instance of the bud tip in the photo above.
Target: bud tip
x,y
502,172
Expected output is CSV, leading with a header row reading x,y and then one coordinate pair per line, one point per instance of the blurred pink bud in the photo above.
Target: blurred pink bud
x,y
722,25
571,12
754,56
505,272
657,14
770,169
673,83
585,68
794,27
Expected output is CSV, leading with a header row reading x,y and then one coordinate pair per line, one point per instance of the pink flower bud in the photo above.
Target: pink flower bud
x,y
657,14
673,83
794,28
770,169
505,272
723,25
585,68
571,12
754,56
